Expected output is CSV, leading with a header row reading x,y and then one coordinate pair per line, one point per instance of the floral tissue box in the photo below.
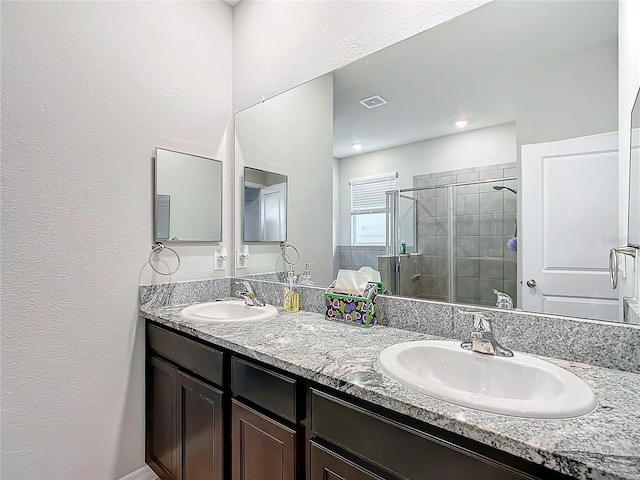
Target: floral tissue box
x,y
353,309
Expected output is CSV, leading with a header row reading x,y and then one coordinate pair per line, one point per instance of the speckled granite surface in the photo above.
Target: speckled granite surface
x,y
602,444
184,293
605,344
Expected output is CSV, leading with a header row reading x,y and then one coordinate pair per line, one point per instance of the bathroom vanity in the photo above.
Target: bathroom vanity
x,y
298,397
203,402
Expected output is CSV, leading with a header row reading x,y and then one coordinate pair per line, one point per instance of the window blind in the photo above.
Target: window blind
x,y
368,193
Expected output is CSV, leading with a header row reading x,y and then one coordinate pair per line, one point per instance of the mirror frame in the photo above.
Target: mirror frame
x,y
155,198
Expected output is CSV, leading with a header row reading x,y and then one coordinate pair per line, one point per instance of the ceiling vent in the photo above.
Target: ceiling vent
x,y
373,102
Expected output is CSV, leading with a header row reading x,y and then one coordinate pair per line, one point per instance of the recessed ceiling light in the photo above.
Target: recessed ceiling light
x,y
462,123
357,147
373,102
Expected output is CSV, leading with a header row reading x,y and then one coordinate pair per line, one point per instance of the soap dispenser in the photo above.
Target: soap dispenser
x,y
305,278
291,296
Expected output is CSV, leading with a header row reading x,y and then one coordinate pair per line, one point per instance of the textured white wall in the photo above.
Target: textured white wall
x,y
88,90
280,44
629,83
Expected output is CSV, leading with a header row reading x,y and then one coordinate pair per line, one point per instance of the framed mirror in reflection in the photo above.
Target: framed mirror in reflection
x,y
188,197
264,206
502,127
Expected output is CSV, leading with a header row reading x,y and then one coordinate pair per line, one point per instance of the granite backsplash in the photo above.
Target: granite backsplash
x,y
605,344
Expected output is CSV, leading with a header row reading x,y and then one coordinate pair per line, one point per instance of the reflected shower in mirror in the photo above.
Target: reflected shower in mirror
x,y
264,206
188,197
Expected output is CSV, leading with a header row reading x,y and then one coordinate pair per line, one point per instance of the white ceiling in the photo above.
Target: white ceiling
x,y
464,68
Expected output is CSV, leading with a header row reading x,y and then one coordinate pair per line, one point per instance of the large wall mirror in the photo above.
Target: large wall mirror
x,y
264,206
499,128
188,197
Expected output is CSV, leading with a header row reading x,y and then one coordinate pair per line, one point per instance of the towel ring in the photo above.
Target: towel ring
x,y
158,247
613,262
287,258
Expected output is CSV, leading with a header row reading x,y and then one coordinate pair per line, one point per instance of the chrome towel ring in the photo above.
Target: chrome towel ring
x,y
286,257
158,247
613,262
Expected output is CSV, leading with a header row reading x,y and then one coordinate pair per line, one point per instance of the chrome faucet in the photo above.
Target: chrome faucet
x,y
248,295
503,300
482,339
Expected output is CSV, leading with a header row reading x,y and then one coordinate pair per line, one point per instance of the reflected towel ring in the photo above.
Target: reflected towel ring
x,y
158,247
285,257
613,262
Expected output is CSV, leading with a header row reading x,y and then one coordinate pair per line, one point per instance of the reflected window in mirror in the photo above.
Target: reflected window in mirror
x,y
188,197
368,208
264,206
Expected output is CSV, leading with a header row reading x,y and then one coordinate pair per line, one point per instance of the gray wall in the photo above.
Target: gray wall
x,y
556,99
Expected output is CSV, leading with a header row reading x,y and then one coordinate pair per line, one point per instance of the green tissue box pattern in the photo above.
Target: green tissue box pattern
x,y
354,309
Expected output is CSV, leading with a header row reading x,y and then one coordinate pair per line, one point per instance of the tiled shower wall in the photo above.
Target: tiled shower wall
x,y
483,220
352,258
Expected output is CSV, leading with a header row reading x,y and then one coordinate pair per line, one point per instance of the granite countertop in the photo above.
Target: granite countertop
x,y
602,444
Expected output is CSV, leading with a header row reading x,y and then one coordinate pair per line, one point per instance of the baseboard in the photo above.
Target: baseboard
x,y
144,473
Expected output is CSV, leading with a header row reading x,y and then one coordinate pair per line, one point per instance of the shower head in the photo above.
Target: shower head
x,y
497,187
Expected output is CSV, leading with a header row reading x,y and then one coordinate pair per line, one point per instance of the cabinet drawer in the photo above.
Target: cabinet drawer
x,y
398,448
193,356
263,387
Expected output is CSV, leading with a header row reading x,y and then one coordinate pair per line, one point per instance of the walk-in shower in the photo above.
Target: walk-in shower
x,y
460,241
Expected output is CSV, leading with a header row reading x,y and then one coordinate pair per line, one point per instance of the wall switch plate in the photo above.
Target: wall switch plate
x,y
241,262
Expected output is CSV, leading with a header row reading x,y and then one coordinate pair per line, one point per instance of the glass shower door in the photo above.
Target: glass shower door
x,y
483,256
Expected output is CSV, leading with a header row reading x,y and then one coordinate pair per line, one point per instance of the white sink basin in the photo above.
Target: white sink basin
x,y
520,386
228,311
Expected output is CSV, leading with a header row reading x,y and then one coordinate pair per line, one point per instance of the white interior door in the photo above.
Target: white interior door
x,y
273,220
569,224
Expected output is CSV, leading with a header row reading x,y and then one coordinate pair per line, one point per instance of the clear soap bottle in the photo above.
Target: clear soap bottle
x,y
291,295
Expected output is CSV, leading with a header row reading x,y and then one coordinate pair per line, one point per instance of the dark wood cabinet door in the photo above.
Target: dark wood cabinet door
x,y
327,465
262,448
161,445
200,430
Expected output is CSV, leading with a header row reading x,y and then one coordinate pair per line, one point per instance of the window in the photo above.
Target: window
x,y
368,208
